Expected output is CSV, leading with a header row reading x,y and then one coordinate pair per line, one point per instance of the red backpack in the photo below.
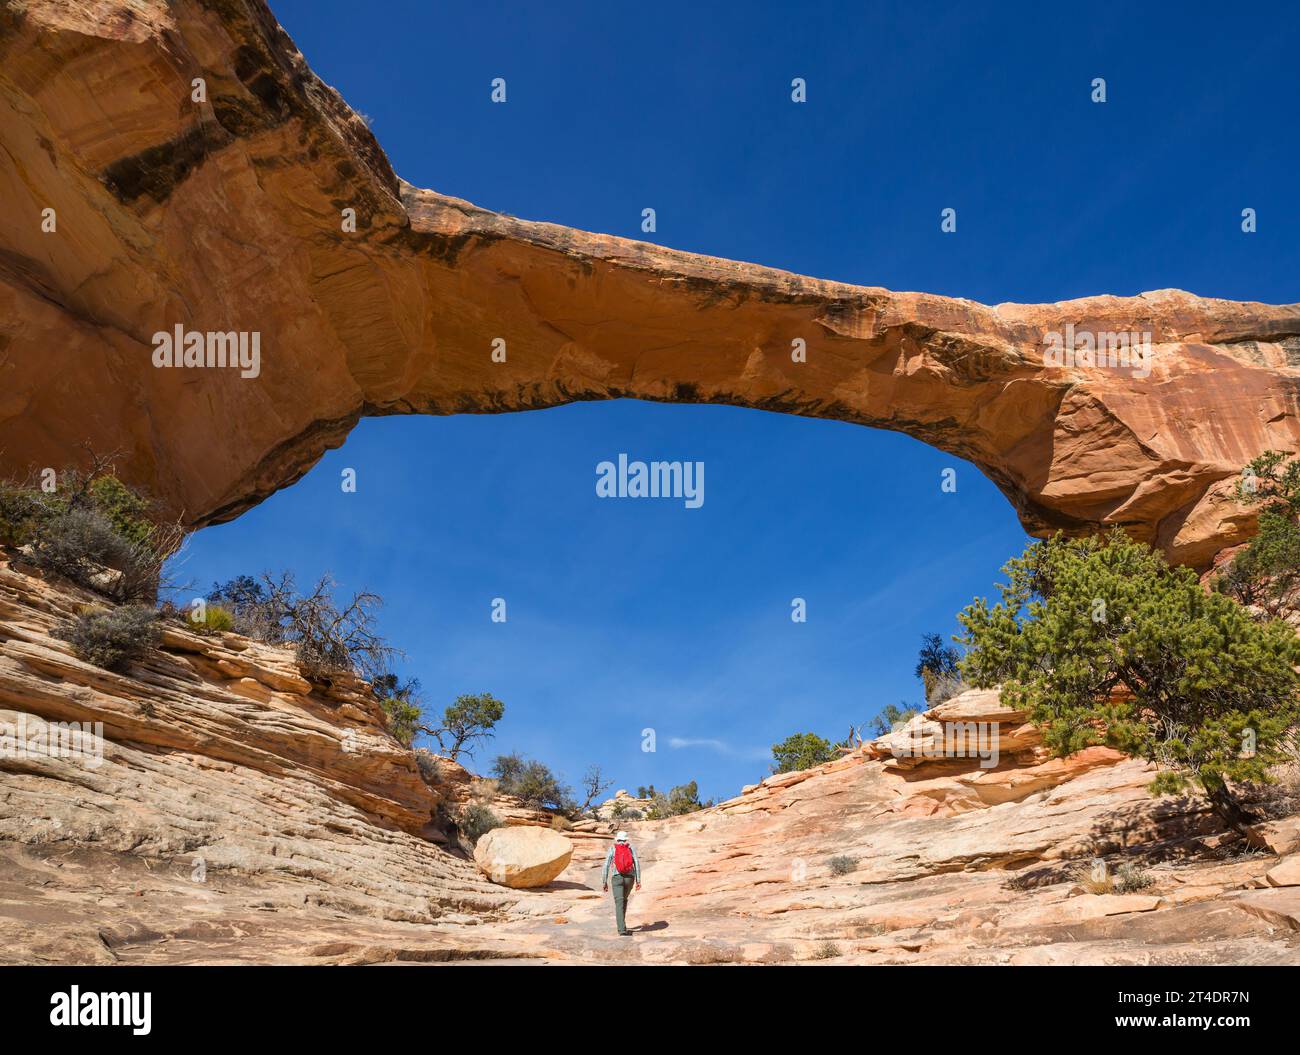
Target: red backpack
x,y
623,862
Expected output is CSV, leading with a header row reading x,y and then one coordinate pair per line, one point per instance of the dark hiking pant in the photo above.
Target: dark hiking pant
x,y
621,886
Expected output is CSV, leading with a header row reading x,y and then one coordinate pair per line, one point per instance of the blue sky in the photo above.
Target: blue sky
x,y
627,615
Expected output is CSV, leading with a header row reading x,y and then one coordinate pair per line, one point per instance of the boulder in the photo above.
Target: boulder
x,y
1280,836
522,856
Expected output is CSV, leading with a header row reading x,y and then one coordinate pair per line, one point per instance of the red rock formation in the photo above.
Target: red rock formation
x,y
226,215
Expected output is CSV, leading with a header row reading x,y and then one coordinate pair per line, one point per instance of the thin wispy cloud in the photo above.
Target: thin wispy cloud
x,y
719,746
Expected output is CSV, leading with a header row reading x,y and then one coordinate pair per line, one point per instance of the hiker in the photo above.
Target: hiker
x,y
627,870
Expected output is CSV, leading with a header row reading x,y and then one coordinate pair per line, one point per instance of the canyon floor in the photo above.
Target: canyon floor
x,y
242,814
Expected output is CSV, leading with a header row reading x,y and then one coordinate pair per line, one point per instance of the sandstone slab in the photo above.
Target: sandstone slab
x,y
976,705
1287,873
1280,908
1282,836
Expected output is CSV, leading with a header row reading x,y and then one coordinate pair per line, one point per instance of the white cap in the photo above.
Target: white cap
x,y
621,837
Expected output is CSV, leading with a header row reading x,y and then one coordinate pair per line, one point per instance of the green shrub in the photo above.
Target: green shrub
x,y
125,509
533,783
683,799
402,718
1102,642
1130,879
476,820
92,530
801,751
1266,573
1274,479
215,620
258,612
827,950
25,508
111,638
20,513
842,865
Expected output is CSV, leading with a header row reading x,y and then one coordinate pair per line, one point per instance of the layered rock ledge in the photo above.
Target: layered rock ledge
x,y
220,768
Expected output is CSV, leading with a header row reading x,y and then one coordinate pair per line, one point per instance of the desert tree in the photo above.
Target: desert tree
x,y
937,665
894,715
328,636
465,721
533,783
801,751
1102,642
594,785
1266,574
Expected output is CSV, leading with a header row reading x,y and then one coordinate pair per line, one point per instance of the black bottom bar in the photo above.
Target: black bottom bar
x,y
248,1004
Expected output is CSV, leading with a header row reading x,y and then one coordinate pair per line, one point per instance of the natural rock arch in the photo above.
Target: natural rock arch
x,y
225,215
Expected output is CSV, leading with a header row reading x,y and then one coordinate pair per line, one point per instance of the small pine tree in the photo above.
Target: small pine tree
x,y
801,751
1266,574
468,719
937,665
1102,642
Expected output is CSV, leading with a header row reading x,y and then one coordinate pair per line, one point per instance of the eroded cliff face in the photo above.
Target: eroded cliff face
x,y
212,755
228,215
